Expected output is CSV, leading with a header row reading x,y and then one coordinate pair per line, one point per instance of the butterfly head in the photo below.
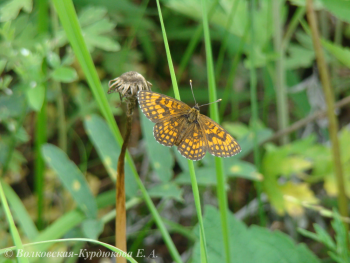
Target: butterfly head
x,y
196,107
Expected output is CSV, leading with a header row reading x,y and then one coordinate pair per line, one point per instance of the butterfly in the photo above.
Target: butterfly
x,y
178,124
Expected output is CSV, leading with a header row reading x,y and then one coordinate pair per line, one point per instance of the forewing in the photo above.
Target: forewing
x,y
158,107
219,142
193,145
166,132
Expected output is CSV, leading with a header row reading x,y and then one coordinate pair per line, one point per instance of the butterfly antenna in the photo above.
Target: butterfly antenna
x,y
211,102
192,91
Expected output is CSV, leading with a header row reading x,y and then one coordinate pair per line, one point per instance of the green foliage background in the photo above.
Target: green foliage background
x,y
61,133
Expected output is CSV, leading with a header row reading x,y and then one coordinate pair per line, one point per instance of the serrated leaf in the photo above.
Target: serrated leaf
x,y
160,156
324,237
64,74
91,14
10,9
108,150
72,178
36,97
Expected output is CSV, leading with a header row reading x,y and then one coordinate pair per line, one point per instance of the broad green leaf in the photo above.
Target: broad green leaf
x,y
72,178
249,245
167,190
160,156
92,228
339,8
64,74
9,10
108,149
36,97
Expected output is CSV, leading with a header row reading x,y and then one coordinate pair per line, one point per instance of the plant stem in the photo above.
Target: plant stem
x,y
329,96
195,190
297,125
120,221
40,126
214,114
280,85
254,107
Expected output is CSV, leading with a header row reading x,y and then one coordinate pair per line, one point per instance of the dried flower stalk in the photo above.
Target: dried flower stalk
x,y
127,85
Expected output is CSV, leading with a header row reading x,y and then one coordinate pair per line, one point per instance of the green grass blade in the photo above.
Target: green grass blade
x,y
40,126
14,232
214,114
69,21
22,216
190,163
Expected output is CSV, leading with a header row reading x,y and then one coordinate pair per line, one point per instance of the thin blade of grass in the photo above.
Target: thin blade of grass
x,y
68,17
22,216
14,232
214,114
40,126
190,163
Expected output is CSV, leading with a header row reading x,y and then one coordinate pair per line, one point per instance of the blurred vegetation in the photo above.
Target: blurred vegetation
x,y
293,181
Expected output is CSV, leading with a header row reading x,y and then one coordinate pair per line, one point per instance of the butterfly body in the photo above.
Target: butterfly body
x,y
185,127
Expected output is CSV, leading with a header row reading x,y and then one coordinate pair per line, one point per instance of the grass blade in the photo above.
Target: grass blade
x,y
214,114
190,163
14,232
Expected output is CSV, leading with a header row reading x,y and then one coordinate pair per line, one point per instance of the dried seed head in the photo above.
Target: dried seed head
x,y
129,84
